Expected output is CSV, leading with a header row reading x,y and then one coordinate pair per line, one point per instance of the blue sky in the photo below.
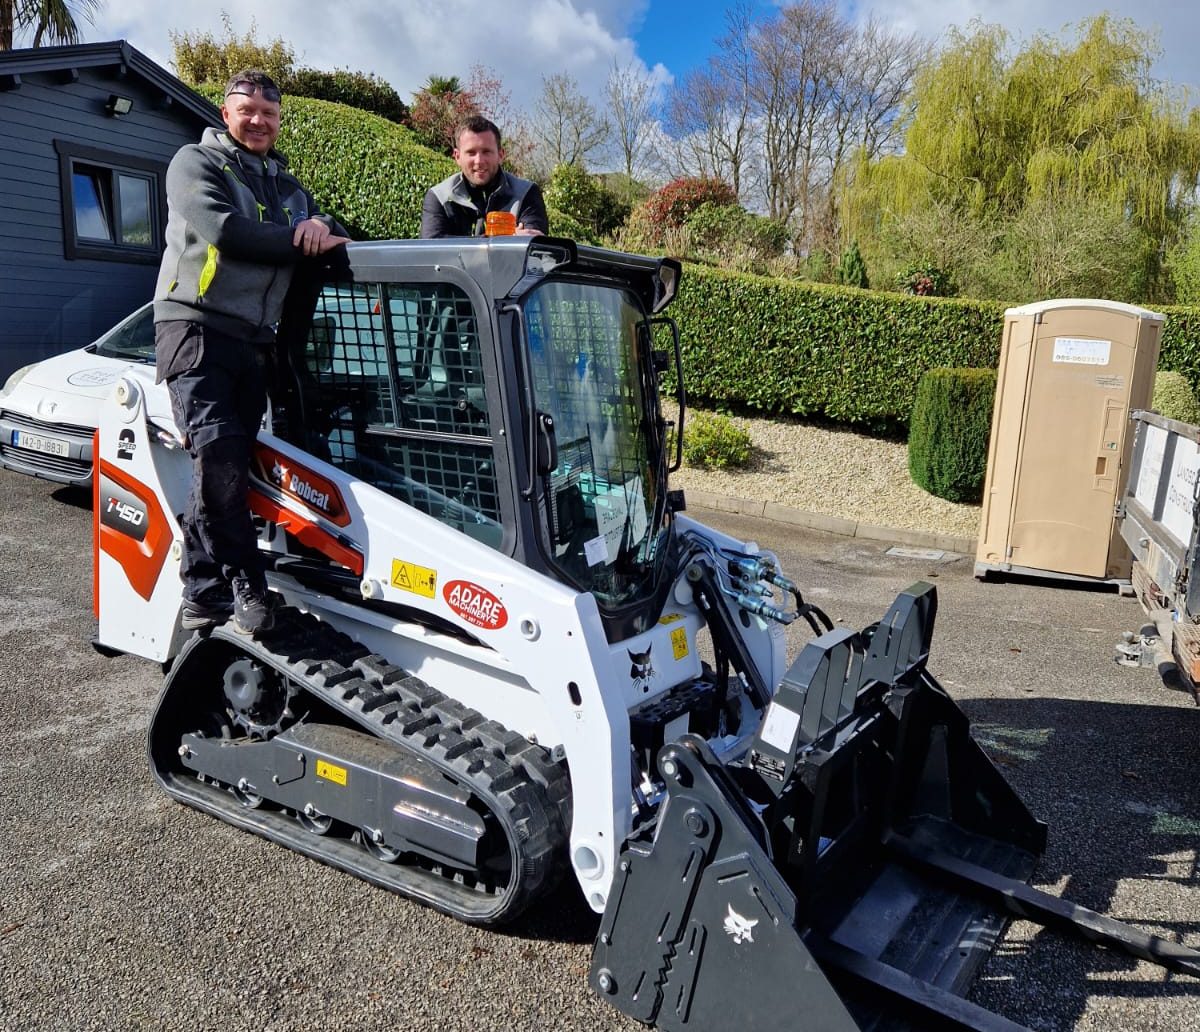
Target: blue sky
x,y
678,40
405,41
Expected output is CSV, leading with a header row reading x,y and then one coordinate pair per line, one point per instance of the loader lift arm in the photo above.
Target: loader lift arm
x,y
862,859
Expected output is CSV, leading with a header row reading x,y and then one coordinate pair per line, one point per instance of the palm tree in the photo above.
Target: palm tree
x,y
52,21
440,85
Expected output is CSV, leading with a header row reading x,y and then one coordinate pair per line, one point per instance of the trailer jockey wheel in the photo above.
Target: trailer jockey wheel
x,y
259,699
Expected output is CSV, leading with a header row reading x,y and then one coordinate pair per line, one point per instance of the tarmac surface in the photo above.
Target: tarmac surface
x,y
121,909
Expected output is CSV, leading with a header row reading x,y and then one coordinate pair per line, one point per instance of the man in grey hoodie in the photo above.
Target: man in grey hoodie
x,y
237,224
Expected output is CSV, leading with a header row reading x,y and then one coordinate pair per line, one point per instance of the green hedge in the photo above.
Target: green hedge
x,y
948,436
1174,397
853,356
782,346
368,172
1180,350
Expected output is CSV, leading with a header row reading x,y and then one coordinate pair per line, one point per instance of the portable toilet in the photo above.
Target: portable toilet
x,y
1071,371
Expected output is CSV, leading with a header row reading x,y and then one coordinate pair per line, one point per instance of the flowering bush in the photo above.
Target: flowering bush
x,y
678,199
926,281
670,207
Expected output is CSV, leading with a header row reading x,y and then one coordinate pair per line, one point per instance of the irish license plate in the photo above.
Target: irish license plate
x,y
45,445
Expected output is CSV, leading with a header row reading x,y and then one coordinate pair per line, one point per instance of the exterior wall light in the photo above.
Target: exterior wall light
x,y
117,105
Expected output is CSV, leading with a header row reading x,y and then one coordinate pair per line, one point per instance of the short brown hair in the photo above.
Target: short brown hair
x,y
476,124
254,76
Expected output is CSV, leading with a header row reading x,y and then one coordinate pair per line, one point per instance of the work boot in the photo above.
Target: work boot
x,y
252,609
198,614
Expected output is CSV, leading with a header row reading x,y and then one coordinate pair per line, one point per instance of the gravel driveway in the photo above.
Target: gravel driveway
x,y
124,910
832,473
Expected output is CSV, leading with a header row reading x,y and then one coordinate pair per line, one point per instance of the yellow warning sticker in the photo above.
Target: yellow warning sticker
x,y
679,645
420,580
667,618
331,772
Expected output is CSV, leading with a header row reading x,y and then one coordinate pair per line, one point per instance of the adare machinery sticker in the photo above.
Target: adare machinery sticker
x,y
476,605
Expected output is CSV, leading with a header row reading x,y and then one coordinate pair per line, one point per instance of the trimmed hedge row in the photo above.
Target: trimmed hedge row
x,y
1180,349
367,171
853,356
849,355
1174,397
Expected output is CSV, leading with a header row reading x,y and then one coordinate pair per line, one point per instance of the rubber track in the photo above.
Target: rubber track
x,y
515,779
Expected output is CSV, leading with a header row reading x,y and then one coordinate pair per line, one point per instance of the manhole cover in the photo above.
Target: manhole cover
x,y
929,554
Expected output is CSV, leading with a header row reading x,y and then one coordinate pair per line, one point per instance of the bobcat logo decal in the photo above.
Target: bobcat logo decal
x,y
642,670
740,928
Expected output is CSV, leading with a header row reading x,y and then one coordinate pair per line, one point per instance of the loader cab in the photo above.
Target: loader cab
x,y
507,389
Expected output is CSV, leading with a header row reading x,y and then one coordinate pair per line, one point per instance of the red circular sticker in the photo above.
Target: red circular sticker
x,y
476,605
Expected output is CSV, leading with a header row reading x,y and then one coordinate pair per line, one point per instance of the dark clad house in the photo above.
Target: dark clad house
x,y
86,133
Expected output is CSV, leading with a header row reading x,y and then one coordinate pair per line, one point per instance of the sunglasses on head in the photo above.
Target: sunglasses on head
x,y
245,86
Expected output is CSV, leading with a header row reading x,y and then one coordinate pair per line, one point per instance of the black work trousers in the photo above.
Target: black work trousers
x,y
218,388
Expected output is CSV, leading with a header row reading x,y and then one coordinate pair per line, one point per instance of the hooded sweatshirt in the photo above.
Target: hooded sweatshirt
x,y
229,254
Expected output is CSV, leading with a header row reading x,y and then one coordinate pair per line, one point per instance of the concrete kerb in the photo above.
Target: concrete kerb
x,y
831,524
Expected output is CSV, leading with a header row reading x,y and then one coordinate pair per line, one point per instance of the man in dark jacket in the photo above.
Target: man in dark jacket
x,y
458,206
237,224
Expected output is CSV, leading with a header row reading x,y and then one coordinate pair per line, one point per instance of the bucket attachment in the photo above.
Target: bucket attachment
x,y
851,873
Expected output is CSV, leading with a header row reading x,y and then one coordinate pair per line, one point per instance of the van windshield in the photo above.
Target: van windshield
x,y
131,340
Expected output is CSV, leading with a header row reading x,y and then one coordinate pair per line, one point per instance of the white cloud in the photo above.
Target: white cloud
x,y
406,41
1175,24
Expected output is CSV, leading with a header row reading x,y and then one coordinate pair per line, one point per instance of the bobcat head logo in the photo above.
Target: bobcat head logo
x,y
740,928
642,670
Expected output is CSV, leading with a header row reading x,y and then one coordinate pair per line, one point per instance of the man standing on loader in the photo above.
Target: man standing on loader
x,y
459,205
237,224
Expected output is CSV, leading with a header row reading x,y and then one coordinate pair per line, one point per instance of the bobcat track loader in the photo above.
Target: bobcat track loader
x,y
504,654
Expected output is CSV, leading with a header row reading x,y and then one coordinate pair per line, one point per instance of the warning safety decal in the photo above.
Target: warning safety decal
x,y
420,580
331,772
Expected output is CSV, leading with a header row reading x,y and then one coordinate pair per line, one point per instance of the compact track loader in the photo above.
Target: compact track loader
x,y
503,652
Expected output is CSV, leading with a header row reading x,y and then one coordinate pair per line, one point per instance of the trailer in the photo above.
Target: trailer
x,y
1158,521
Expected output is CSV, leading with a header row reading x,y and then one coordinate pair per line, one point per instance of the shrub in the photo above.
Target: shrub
x,y
367,92
948,433
670,207
200,57
734,237
580,206
1174,398
434,117
713,441
563,224
639,235
926,281
716,226
852,270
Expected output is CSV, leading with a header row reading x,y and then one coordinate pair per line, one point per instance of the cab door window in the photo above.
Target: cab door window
x,y
394,375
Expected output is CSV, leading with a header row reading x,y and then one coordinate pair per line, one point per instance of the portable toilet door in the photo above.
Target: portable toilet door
x,y
1070,373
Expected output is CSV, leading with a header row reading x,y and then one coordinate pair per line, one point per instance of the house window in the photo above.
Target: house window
x,y
112,205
